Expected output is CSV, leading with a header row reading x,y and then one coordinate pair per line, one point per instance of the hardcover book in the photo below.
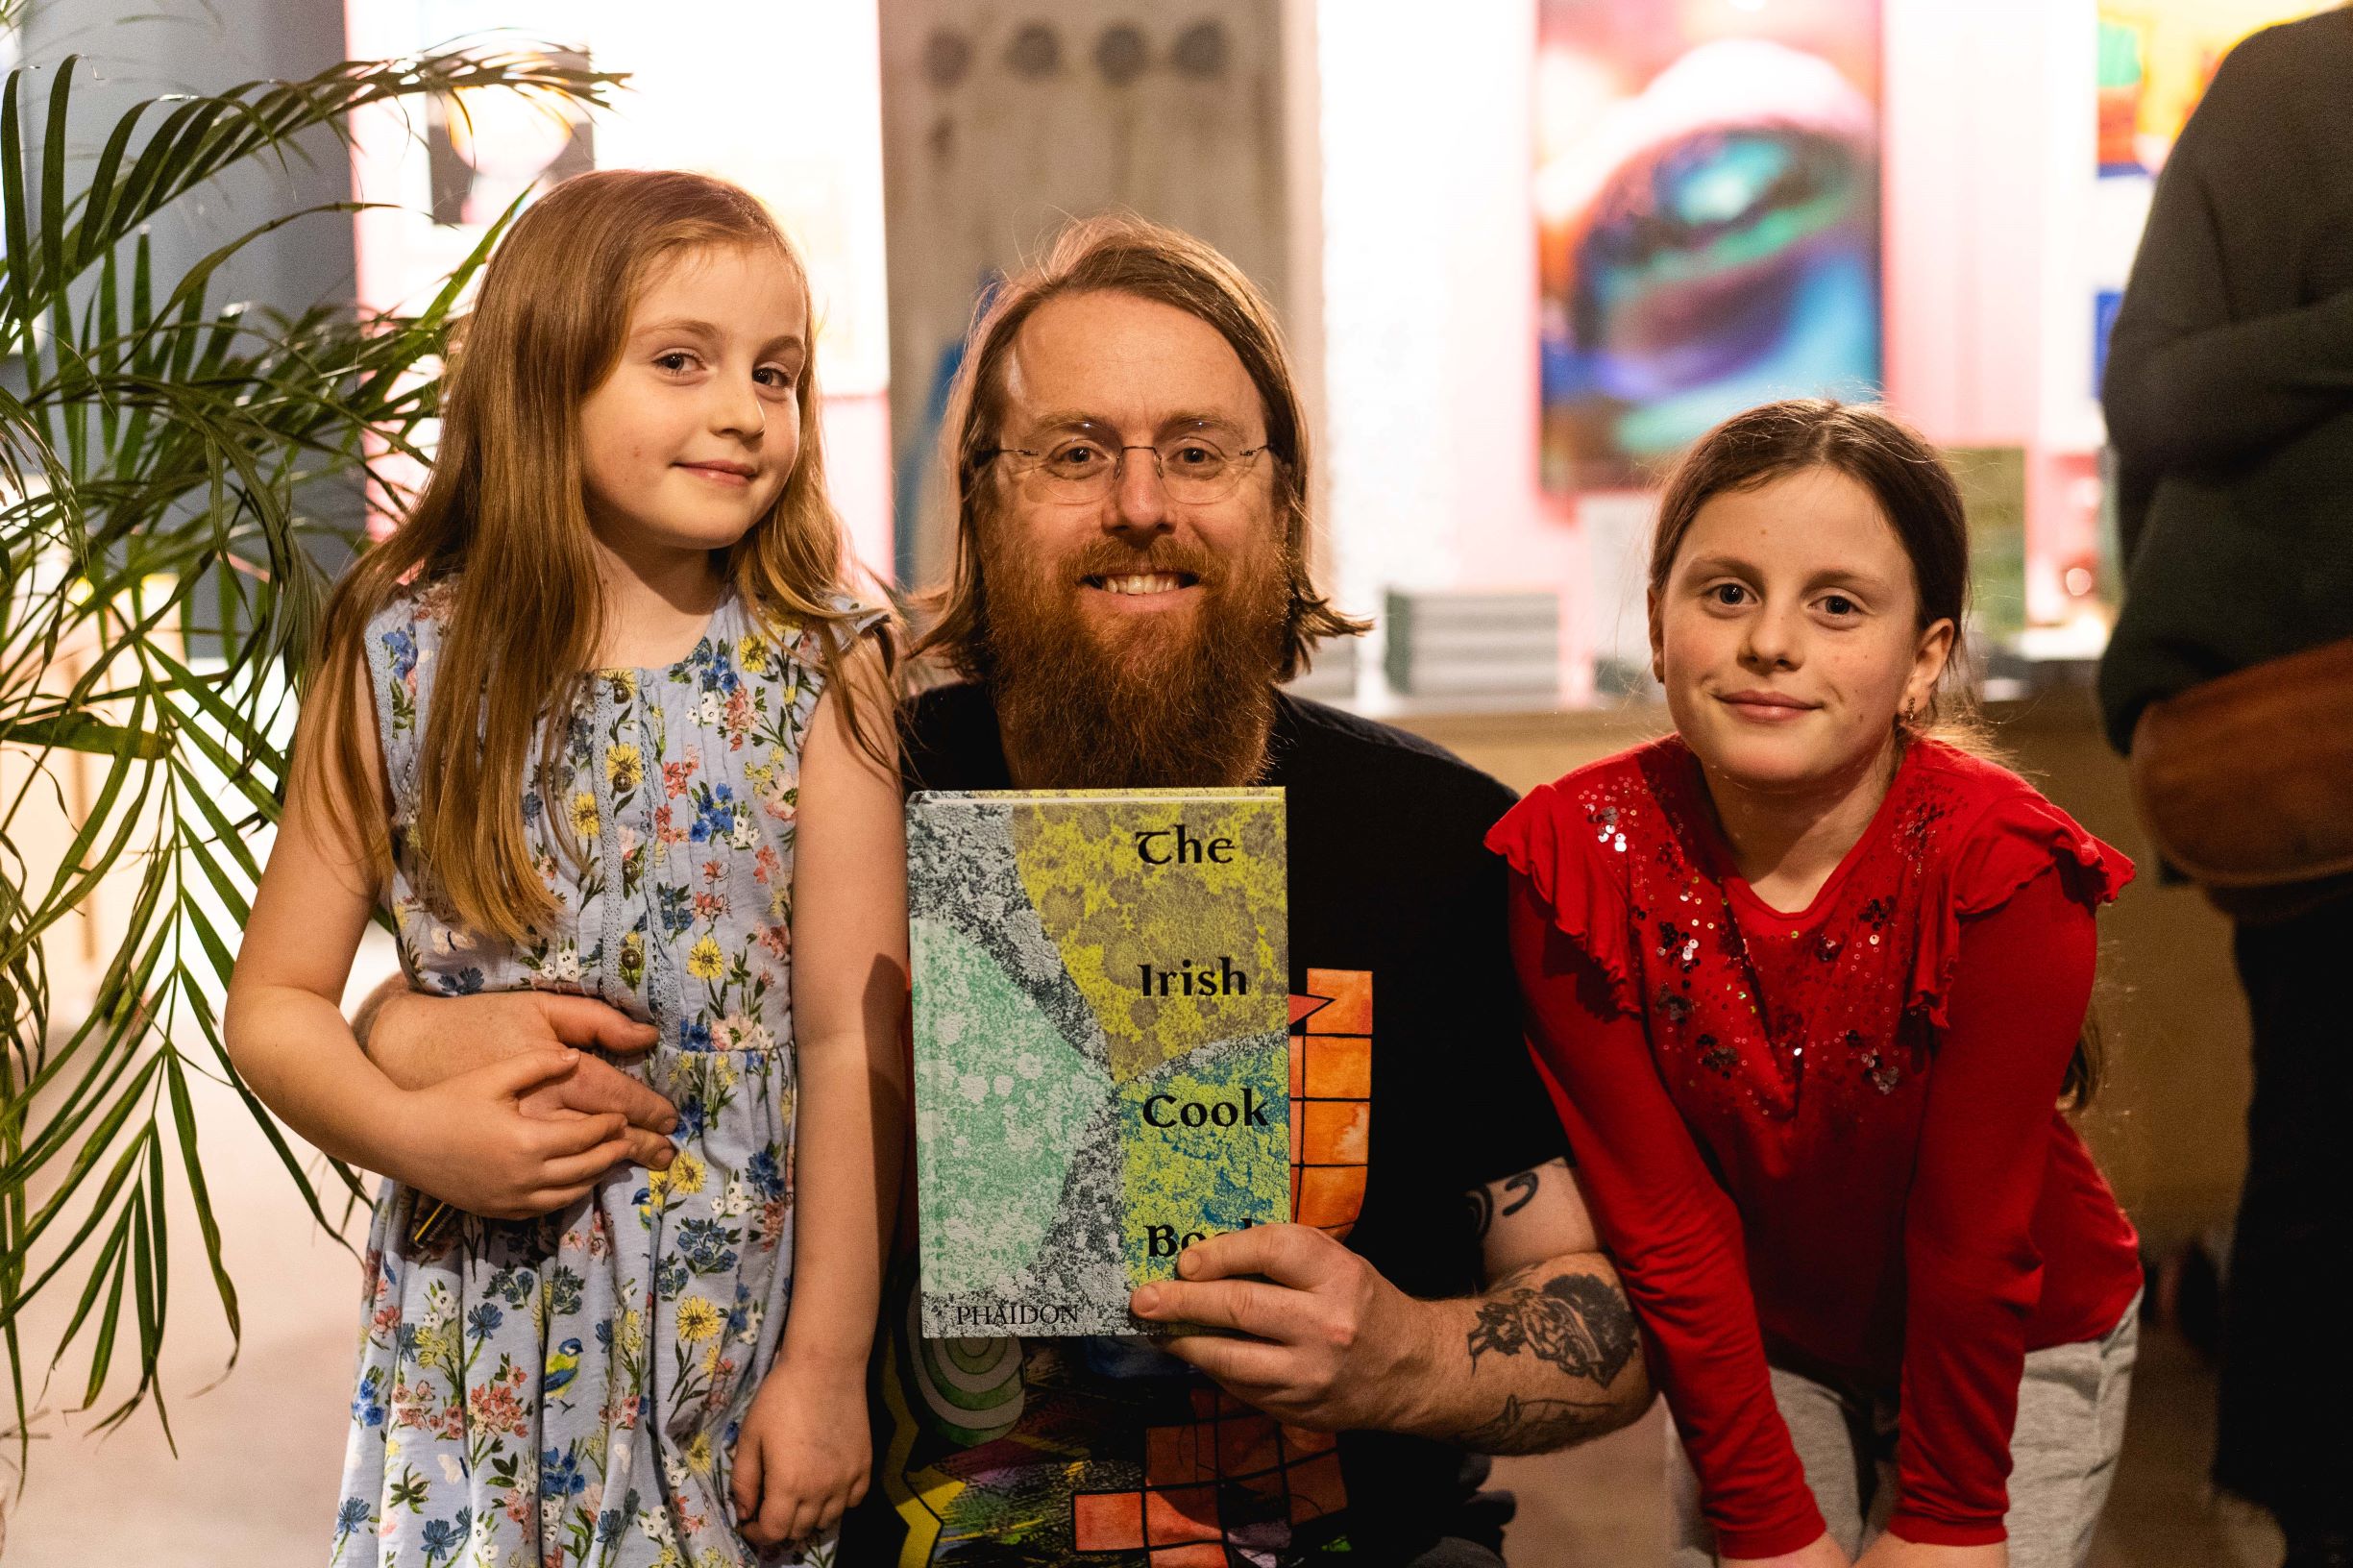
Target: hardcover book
x,y
1101,1053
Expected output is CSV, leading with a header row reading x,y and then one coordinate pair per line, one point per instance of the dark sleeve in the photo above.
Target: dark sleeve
x,y
948,740
1503,1122
2188,384
1973,1275
1676,1236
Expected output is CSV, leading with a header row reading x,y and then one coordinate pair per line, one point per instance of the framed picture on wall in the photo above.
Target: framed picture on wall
x,y
2156,57
1707,218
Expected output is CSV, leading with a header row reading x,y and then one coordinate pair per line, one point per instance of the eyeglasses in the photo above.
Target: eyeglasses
x,y
1195,468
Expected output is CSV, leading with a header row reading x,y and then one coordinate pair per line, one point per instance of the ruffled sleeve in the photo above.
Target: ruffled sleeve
x,y
1573,858
2015,838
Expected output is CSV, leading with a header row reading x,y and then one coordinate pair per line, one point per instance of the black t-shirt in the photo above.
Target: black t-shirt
x,y
1412,1087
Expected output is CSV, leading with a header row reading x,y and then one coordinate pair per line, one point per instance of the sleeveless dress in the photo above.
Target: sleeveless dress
x,y
568,1391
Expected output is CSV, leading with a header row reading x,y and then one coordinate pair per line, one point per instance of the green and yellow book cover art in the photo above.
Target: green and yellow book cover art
x,y
1102,1062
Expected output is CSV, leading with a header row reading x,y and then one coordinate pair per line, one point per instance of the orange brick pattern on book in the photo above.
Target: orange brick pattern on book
x,y
1231,1473
1331,1090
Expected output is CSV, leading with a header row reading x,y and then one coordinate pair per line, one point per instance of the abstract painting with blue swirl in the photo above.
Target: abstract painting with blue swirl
x,y
1708,213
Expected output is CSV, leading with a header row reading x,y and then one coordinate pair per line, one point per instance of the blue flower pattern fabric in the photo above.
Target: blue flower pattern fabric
x,y
566,1391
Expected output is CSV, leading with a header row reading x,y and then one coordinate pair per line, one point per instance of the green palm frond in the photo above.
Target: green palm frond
x,y
159,579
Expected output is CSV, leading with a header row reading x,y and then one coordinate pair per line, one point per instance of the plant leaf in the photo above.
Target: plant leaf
x,y
161,579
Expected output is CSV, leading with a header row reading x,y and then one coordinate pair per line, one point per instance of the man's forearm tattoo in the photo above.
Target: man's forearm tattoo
x,y
1538,1426
1518,1191
1577,1322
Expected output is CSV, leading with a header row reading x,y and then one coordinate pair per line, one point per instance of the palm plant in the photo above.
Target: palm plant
x,y
156,446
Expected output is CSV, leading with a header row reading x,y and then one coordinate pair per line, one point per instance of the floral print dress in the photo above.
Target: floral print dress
x,y
568,1391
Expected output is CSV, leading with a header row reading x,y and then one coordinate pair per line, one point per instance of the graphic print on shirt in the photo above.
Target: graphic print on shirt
x,y
1108,1453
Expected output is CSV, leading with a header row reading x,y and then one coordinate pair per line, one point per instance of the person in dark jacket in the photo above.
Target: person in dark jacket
x,y
2229,398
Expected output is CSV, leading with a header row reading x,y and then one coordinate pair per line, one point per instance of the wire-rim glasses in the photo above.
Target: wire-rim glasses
x,y
1195,466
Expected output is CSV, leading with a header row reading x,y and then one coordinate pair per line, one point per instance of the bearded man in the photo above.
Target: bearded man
x,y
1128,462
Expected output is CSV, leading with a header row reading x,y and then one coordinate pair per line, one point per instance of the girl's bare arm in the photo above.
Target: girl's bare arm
x,y
850,998
285,1027
802,1457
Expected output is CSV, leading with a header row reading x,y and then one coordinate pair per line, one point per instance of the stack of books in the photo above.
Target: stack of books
x,y
1333,676
1467,643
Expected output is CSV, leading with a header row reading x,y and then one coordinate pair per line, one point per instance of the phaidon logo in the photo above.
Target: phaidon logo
x,y
1016,1314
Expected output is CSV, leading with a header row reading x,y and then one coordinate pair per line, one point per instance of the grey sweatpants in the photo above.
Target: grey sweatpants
x,y
2071,1425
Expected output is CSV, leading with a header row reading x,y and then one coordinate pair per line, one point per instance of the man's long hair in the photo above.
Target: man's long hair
x,y
1126,254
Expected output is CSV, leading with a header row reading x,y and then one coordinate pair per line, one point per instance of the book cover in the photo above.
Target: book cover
x,y
1101,1054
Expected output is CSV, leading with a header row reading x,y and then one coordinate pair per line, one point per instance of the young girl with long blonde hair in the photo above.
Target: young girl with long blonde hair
x,y
600,719
1811,984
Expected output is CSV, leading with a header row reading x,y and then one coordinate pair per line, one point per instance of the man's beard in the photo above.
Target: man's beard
x,y
1182,700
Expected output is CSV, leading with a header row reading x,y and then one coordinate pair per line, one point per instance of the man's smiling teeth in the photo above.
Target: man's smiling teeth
x,y
1149,582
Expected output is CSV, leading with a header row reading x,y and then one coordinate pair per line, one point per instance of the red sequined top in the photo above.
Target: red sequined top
x,y
1829,1135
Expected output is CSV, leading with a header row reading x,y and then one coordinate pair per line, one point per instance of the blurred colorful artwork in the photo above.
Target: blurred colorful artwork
x,y
2156,57
1707,212
2155,60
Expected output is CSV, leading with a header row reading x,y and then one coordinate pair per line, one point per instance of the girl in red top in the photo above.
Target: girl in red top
x,y
1811,986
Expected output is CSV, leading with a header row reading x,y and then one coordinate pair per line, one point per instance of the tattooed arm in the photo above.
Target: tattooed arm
x,y
1546,1357
1552,1352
